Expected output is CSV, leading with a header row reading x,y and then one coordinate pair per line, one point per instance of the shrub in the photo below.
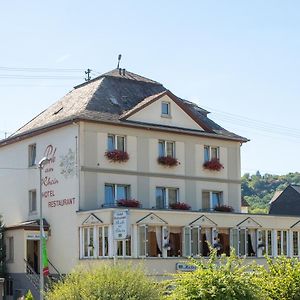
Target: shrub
x,y
128,203
180,205
216,278
213,165
168,161
281,279
106,283
29,296
117,156
224,208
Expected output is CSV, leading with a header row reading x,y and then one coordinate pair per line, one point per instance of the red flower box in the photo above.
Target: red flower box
x,y
128,203
117,156
213,164
224,208
168,161
180,205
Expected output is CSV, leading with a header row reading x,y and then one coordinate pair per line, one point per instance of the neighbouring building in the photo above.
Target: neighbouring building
x,y
135,173
286,202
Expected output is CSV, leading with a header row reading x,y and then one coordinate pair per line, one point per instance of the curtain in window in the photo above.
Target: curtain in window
x,y
110,143
158,237
187,241
109,195
120,143
206,154
170,149
205,200
161,148
160,198
172,193
251,242
214,152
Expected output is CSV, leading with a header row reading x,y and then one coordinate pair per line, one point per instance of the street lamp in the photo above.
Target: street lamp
x,y
42,163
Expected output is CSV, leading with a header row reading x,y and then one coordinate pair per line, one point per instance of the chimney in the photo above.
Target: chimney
x,y
124,72
120,71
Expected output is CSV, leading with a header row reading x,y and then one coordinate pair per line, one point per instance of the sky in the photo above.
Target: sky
x,y
238,59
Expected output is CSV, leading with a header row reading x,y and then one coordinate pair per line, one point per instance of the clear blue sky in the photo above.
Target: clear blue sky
x,y
232,57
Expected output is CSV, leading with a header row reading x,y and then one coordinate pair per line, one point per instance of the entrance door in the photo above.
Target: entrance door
x,y
33,254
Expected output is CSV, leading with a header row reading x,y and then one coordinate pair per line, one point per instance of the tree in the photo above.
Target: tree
x,y
106,283
2,250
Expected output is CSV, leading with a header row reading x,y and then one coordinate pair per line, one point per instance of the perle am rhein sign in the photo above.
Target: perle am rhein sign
x,y
120,224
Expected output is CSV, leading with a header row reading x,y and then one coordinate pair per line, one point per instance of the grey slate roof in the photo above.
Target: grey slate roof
x,y
109,96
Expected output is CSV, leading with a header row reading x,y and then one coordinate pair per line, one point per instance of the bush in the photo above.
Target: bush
x,y
281,279
106,283
218,279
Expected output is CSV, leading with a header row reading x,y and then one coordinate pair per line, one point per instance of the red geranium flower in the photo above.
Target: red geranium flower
x,y
117,155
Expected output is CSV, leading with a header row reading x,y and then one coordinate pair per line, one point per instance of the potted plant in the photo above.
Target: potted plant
x,y
213,165
224,208
180,206
128,203
168,161
117,156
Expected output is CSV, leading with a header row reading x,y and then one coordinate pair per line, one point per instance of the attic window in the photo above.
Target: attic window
x,y
57,111
165,108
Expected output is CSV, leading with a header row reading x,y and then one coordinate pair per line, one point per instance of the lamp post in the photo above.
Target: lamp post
x,y
42,163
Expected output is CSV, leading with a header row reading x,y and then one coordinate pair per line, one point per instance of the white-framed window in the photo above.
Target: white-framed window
x,y
165,108
244,241
32,201
116,142
211,152
197,241
282,242
166,196
123,248
115,192
166,148
265,242
10,249
32,155
94,241
296,243
211,199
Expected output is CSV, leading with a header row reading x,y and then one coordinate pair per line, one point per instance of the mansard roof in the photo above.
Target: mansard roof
x,y
108,98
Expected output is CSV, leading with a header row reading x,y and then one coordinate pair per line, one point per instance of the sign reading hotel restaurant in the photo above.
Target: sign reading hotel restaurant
x,y
185,267
120,221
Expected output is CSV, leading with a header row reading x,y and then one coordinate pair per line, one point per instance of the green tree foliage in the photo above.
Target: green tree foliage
x,y
29,296
2,250
216,278
106,283
259,189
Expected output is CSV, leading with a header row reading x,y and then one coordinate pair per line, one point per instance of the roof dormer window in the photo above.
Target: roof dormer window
x,y
165,109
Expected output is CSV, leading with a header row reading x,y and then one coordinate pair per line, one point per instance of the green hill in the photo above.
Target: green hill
x,y
259,189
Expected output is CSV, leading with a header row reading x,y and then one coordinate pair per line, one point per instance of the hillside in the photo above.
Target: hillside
x,y
259,189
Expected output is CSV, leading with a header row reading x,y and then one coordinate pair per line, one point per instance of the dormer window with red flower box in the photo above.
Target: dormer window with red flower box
x,y
166,154
116,148
212,158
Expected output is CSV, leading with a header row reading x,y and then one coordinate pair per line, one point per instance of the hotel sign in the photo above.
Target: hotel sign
x,y
185,267
120,224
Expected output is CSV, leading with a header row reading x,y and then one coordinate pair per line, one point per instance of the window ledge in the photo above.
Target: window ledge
x,y
166,116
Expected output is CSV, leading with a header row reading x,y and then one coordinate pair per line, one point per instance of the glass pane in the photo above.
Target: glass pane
x,y
121,143
110,143
187,241
172,193
91,242
160,197
195,241
128,247
284,242
122,192
106,241
242,241
170,149
165,108
295,243
161,148
206,153
234,238
109,195
214,153
100,242
142,240
85,242
279,250
215,199
119,248
269,242
205,200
